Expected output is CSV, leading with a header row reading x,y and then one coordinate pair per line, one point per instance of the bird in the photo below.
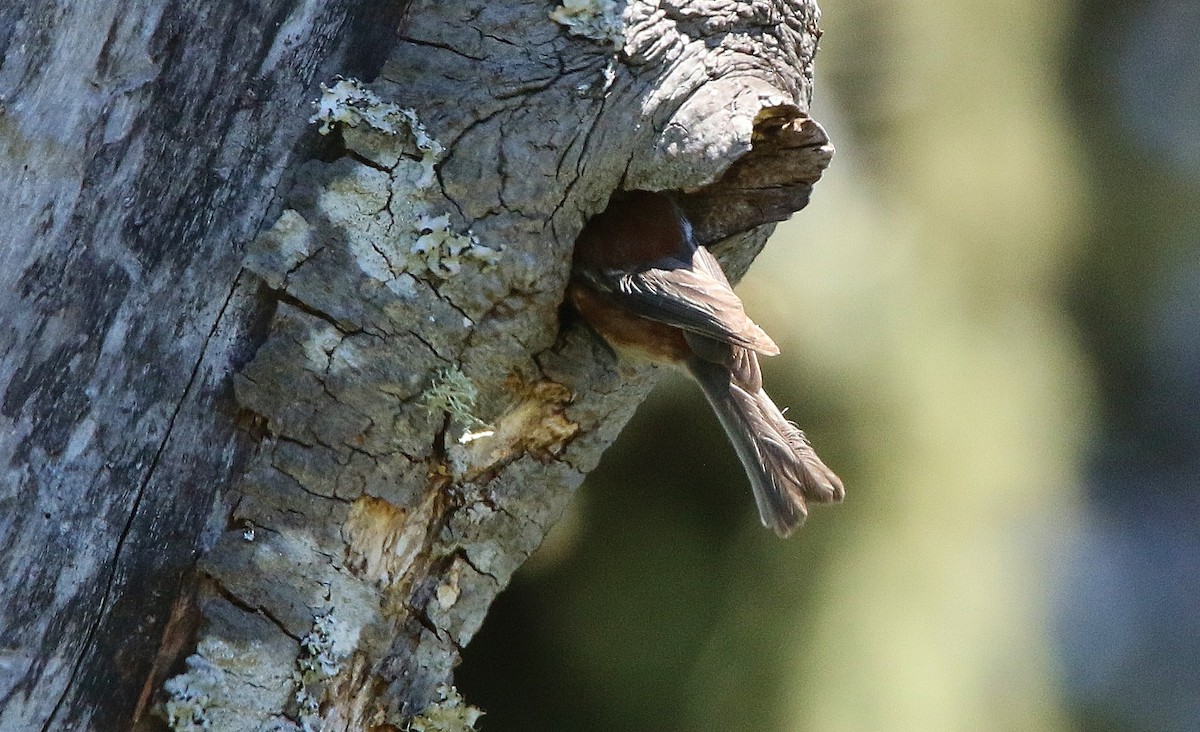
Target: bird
x,y
643,283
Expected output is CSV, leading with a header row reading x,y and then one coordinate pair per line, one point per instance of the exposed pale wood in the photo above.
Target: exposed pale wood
x,y
362,543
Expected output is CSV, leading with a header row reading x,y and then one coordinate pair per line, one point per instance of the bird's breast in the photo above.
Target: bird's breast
x,y
628,332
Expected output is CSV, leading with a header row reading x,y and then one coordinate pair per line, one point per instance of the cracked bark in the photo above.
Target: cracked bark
x,y
350,544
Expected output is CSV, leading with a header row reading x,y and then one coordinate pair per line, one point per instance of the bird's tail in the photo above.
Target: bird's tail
x,y
783,468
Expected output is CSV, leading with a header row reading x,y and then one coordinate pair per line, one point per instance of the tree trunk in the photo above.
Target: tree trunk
x,y
365,421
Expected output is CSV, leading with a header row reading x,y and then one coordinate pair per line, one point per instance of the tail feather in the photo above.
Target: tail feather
x,y
784,470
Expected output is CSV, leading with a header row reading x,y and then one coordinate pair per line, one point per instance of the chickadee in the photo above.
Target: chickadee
x,y
645,285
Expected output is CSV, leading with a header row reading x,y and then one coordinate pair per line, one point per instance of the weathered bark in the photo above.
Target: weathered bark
x,y
140,147
418,416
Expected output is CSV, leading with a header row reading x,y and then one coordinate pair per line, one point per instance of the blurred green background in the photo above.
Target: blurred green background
x,y
988,317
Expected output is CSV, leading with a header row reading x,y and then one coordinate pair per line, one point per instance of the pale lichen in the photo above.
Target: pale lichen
x,y
351,104
190,695
322,652
385,211
440,251
448,713
454,394
212,693
599,20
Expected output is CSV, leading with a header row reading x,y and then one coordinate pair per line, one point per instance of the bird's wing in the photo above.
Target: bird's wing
x,y
691,295
741,363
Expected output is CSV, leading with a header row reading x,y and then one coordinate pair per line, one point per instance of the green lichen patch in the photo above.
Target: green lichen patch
x,y
455,394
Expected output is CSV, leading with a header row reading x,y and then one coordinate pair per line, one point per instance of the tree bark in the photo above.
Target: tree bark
x,y
363,423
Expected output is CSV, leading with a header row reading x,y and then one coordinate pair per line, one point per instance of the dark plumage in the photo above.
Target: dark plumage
x,y
644,284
